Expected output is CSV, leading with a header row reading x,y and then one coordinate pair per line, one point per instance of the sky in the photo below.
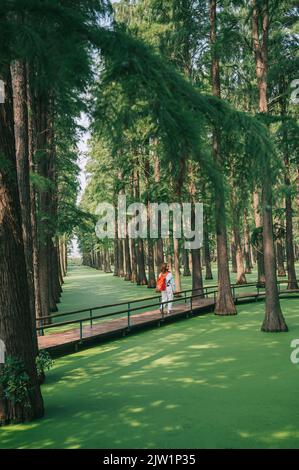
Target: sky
x,y
83,149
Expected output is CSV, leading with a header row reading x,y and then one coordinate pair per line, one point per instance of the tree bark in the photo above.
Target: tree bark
x,y
224,302
134,261
19,88
159,242
233,252
107,266
289,240
274,320
121,270
151,284
197,282
33,205
240,278
247,254
186,265
279,256
116,255
259,250
207,254
16,328
176,258
235,209
141,275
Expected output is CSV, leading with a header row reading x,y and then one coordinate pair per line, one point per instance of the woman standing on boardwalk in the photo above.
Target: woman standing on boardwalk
x,y
166,286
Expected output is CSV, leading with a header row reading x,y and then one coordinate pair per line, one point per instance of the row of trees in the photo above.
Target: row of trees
x,y
126,156
159,125
45,67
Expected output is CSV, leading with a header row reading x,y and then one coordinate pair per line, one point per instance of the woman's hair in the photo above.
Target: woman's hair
x,y
164,267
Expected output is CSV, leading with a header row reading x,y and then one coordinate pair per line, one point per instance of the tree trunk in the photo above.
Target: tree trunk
x,y
151,265
207,255
274,320
16,329
121,270
233,256
176,256
59,263
116,255
141,275
107,266
279,256
186,271
259,250
150,247
224,302
247,244
289,241
235,208
43,207
134,261
197,282
240,278
160,255
19,87
159,242
292,279
32,167
128,275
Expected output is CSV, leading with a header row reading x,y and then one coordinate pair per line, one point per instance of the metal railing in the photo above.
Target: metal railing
x,y
128,312
181,296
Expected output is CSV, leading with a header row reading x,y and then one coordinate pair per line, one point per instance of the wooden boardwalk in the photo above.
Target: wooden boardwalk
x,y
68,341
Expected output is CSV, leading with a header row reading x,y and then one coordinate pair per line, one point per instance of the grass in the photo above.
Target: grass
x,y
206,382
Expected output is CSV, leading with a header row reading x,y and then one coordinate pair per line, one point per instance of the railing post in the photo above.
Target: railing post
x,y
81,332
129,316
90,316
162,307
185,297
191,305
42,330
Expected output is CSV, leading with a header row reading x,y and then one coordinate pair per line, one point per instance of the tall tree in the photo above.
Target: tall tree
x,y
224,303
15,311
274,320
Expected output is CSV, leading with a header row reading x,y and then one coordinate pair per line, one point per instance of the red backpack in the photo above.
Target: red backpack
x,y
161,283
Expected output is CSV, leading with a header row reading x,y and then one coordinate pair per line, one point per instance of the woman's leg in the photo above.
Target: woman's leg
x,y
163,299
169,298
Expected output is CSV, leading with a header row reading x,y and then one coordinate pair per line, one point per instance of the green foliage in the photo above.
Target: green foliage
x,y
44,362
15,382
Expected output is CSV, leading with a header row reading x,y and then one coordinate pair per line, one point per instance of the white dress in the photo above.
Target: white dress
x,y
167,294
